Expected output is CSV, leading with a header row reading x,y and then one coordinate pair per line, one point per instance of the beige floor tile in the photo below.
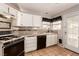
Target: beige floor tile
x,y
52,51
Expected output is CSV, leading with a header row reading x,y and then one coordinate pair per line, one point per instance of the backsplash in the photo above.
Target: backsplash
x,y
32,32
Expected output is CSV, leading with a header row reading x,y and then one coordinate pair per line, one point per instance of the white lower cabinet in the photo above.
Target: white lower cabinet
x,y
51,40
30,44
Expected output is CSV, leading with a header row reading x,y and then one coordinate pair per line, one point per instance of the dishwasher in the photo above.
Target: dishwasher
x,y
41,42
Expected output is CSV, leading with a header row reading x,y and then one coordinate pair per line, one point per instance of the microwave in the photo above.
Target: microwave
x,y
5,25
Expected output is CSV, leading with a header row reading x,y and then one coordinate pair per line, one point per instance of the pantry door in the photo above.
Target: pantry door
x,y
72,34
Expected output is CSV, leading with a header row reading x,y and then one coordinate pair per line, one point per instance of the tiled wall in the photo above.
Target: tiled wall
x,y
27,32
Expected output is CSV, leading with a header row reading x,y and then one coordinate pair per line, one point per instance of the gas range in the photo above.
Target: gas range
x,y
8,36
11,45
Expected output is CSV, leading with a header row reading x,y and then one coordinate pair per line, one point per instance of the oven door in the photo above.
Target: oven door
x,y
15,49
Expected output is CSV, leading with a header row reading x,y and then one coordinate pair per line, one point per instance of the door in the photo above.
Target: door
x,y
72,35
41,42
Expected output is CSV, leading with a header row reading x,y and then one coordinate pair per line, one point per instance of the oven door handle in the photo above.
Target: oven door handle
x,y
13,43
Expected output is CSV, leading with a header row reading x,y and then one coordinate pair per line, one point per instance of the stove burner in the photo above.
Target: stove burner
x,y
4,38
8,37
13,36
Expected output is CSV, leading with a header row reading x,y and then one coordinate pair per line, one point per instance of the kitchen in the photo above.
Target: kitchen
x,y
28,29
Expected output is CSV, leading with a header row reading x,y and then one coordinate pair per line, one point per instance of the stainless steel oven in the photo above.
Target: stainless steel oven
x,y
5,25
14,48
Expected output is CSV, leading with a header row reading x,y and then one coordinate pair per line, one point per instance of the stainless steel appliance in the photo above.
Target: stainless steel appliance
x,y
11,45
5,25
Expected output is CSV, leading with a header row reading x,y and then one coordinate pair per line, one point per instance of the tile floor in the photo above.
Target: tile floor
x,y
52,51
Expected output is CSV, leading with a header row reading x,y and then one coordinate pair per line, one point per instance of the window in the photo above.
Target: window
x,y
56,25
46,25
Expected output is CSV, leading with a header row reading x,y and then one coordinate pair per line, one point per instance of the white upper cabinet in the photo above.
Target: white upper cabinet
x,y
3,8
30,20
13,11
18,20
8,10
23,19
37,20
26,19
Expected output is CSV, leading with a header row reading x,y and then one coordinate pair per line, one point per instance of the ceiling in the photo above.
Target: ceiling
x,y
45,9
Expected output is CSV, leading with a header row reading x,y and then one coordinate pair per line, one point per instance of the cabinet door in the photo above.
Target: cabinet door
x,y
16,22
13,11
55,39
30,44
51,40
37,20
3,8
26,19
23,19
